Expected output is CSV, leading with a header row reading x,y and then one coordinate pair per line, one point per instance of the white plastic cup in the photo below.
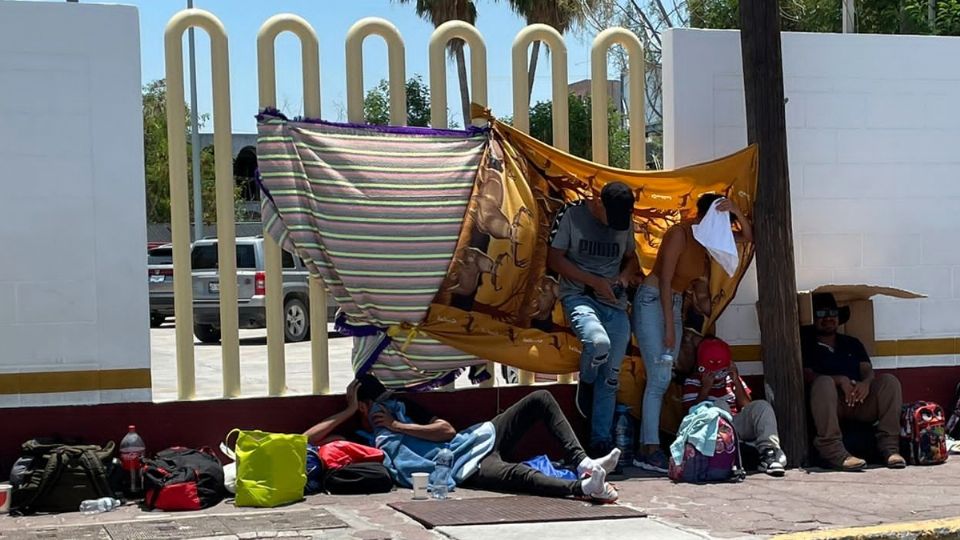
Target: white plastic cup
x,y
6,491
420,480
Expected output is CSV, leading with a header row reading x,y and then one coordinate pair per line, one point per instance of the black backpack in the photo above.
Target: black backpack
x,y
61,476
357,479
183,479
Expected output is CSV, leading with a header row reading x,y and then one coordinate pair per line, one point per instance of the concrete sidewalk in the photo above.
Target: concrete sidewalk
x,y
813,502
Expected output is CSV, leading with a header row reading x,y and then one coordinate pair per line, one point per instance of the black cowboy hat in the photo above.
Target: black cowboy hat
x,y
826,301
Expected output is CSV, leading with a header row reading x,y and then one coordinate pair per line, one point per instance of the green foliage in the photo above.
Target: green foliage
x,y
873,16
157,163
581,139
376,105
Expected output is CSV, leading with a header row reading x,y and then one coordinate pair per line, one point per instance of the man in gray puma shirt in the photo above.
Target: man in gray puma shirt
x,y
592,248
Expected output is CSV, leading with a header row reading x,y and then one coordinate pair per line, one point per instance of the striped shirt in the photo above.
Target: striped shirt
x,y
722,389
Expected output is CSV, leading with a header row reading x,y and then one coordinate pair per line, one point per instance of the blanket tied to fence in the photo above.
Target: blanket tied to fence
x,y
376,213
499,301
434,242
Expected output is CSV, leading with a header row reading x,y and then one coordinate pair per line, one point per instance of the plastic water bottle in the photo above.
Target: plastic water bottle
x,y
623,433
132,449
98,506
666,357
439,479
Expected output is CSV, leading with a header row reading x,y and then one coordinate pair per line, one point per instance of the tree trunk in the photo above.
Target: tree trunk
x,y
766,125
532,72
464,88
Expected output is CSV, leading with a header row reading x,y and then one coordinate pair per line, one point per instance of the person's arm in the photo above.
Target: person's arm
x,y
320,431
437,430
746,229
558,262
861,390
630,275
707,379
701,296
670,249
739,389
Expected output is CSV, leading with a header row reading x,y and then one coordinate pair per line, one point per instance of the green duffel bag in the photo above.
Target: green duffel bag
x,y
61,476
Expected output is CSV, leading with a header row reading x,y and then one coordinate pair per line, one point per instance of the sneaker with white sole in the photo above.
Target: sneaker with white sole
x,y
655,462
770,462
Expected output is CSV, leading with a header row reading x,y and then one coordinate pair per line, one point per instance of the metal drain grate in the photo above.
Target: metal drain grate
x,y
167,529
520,509
300,520
86,532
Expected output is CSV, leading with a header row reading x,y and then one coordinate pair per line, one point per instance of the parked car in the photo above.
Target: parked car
x,y
251,288
160,278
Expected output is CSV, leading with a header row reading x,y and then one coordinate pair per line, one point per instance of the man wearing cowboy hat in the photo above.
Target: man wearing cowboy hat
x,y
844,386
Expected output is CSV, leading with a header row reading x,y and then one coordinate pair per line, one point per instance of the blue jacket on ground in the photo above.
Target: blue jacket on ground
x,y
405,455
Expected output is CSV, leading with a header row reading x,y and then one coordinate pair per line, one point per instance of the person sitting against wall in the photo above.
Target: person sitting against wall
x,y
592,248
681,260
717,379
843,386
411,436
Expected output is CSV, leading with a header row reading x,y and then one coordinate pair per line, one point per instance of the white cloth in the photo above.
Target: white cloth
x,y
714,233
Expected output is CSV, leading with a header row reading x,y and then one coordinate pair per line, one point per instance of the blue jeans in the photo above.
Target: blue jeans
x,y
604,332
648,325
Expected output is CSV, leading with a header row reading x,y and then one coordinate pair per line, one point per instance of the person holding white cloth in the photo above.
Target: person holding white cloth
x,y
681,260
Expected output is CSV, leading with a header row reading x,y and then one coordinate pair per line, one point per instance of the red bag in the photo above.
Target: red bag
x,y
338,454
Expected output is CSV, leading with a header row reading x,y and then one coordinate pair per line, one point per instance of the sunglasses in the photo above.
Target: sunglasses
x,y
824,313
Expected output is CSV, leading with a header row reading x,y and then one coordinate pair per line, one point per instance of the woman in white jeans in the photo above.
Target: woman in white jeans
x,y
657,321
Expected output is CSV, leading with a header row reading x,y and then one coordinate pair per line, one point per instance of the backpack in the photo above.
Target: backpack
x,y
357,478
722,466
923,440
58,477
953,424
182,479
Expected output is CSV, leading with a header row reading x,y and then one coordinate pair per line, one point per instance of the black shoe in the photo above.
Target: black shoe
x,y
772,462
585,399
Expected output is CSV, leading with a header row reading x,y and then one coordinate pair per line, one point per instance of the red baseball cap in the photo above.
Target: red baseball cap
x,y
713,354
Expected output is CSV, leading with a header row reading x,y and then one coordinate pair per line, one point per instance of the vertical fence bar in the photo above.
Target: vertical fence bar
x,y
599,92
438,69
521,100
438,89
226,241
396,62
266,77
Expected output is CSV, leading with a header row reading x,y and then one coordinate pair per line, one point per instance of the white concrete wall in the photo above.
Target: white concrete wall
x,y
874,147
73,287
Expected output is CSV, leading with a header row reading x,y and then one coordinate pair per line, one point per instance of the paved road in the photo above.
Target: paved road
x,y
253,365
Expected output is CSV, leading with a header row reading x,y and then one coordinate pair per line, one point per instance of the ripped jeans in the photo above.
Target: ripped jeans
x,y
604,332
648,324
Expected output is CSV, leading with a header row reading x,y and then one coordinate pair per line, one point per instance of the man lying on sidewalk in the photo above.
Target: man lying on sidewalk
x,y
717,379
411,438
843,385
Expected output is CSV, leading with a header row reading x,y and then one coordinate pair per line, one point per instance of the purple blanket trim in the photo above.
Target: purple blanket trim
x,y
350,330
471,131
374,356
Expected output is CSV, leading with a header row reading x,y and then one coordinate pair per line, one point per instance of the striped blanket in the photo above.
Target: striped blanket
x,y
376,213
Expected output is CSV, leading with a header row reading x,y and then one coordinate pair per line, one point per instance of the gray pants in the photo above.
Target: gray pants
x,y
755,424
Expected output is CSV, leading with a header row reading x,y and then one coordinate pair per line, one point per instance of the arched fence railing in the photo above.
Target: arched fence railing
x,y
310,58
